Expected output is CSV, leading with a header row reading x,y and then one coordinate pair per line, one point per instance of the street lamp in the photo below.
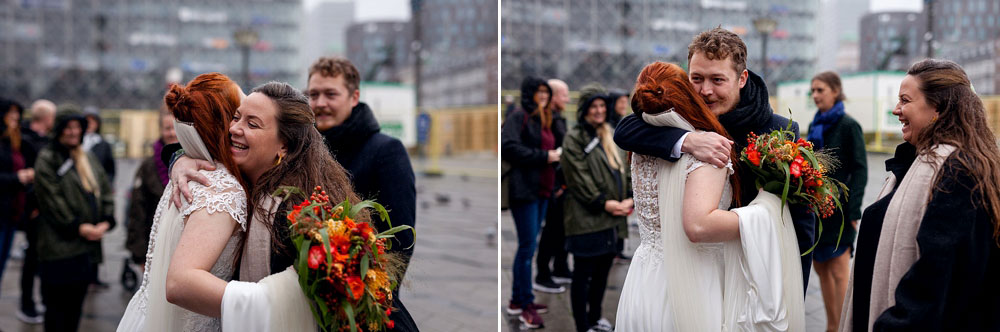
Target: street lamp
x,y
246,38
765,26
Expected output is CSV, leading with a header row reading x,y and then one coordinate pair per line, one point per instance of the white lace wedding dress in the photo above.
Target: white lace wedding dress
x,y
149,310
750,284
644,304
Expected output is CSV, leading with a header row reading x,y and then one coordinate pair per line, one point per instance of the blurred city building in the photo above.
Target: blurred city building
x,y
458,52
967,32
120,54
837,45
610,41
381,50
892,40
324,32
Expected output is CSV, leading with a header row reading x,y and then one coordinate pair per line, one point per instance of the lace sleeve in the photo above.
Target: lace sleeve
x,y
695,164
224,195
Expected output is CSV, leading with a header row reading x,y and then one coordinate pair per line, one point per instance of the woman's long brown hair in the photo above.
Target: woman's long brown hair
x,y
662,86
961,122
308,162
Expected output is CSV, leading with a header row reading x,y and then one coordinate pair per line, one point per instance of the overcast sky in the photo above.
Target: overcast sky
x,y
369,10
886,5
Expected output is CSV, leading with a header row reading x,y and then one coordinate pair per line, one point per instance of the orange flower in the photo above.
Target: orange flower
x,y
357,286
754,157
337,256
340,241
348,222
365,230
390,324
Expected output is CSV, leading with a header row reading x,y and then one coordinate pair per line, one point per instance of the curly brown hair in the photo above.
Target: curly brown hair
x,y
961,122
719,44
336,66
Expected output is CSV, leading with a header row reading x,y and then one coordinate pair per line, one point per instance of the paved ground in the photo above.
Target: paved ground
x,y
451,284
559,317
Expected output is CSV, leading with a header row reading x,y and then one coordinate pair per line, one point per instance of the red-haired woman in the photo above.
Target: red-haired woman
x,y
691,248
205,233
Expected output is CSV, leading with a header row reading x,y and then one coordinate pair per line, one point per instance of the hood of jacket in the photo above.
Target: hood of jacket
x,y
588,94
529,86
64,115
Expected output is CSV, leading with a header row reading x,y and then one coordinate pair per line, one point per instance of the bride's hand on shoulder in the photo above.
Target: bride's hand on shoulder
x,y
186,169
709,147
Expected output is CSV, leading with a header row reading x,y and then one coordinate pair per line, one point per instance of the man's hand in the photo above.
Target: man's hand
x,y
708,147
854,223
186,169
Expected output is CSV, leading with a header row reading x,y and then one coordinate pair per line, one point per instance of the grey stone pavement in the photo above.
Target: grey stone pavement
x,y
451,283
559,317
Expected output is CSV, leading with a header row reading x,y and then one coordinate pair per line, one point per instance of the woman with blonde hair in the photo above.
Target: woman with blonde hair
x,y
77,210
599,198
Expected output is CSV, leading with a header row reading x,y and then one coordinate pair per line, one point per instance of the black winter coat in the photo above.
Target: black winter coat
x,y
952,286
10,186
520,144
380,169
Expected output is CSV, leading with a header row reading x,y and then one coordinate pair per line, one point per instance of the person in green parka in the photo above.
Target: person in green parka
x,y
599,187
77,207
839,135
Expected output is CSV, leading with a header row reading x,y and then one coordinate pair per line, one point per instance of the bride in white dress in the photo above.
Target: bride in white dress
x,y
699,267
220,207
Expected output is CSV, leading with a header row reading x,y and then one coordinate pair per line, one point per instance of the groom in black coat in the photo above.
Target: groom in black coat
x,y
717,61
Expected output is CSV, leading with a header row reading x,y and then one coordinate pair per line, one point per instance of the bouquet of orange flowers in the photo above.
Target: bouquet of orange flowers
x,y
342,263
792,170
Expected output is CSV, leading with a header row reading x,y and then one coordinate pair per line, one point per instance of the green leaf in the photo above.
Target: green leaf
x,y
287,191
349,310
818,234
326,246
364,266
373,205
324,310
303,263
397,229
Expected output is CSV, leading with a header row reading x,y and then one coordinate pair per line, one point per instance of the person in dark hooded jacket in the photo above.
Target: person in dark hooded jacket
x,y
530,146
618,104
16,174
77,210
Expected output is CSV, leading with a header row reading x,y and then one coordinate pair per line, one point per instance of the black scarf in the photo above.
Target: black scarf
x,y
752,113
352,134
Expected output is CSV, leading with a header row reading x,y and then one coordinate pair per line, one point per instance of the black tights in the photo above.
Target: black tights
x,y
590,279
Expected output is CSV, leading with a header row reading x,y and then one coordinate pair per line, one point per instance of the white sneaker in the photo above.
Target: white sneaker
x,y
38,319
562,280
604,323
